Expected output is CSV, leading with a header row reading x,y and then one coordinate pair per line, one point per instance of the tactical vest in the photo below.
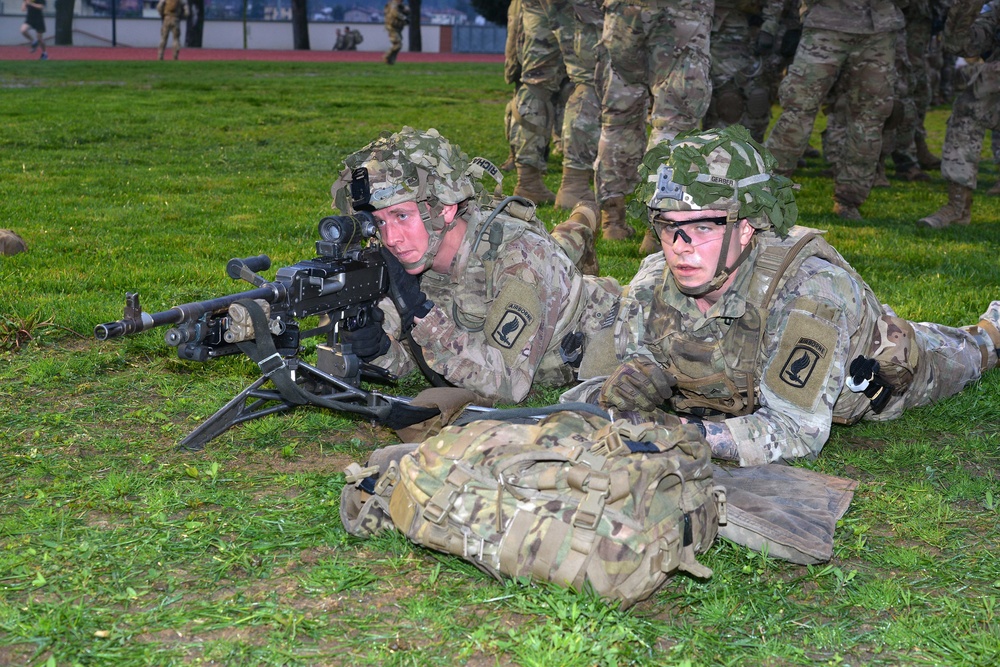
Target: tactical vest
x,y
718,377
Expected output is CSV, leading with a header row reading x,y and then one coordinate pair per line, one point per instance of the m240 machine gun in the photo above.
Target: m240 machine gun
x,y
342,286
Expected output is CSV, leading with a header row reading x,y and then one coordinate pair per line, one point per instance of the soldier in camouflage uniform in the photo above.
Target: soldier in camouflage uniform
x,y
757,330
658,70
171,12
853,40
557,34
397,17
977,109
740,91
490,301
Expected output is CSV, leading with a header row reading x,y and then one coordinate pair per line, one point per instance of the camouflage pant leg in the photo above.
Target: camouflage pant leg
x,y
170,26
903,117
652,53
395,46
740,89
542,74
575,238
949,360
918,36
581,126
963,141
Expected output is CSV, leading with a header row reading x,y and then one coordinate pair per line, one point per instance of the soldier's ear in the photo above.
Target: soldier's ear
x,y
746,232
449,212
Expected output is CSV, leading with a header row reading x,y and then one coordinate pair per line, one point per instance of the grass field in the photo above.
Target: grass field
x,y
117,549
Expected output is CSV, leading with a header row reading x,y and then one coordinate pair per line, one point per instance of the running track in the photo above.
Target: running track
x,y
21,52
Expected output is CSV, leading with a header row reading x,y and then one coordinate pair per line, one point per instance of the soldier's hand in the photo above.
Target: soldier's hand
x,y
638,384
405,291
368,341
765,43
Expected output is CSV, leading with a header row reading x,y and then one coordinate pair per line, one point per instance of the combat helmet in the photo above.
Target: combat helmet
x,y
409,165
714,170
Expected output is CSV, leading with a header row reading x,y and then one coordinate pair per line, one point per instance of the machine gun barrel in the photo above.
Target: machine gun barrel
x,y
136,320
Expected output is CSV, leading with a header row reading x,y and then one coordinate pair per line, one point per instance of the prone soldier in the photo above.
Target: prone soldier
x,y
757,330
483,295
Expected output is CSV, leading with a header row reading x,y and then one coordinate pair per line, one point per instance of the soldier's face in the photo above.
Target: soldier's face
x,y
402,231
693,256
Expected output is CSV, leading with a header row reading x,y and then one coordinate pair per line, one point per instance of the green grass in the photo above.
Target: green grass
x,y
115,548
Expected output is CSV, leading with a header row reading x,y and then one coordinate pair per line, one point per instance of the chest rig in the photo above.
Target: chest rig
x,y
717,365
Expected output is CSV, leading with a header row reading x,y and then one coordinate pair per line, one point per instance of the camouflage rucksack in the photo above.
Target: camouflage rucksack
x,y
573,499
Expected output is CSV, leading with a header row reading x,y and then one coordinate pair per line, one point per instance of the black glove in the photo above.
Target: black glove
x,y
370,340
638,384
765,43
405,291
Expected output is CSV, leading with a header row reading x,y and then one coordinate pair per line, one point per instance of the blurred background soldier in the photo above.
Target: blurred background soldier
x,y
659,70
34,19
397,17
740,91
969,32
171,11
556,34
853,40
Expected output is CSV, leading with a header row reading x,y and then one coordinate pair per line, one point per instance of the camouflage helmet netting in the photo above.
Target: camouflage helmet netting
x,y
410,165
716,170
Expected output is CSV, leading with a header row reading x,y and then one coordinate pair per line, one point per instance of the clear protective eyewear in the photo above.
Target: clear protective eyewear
x,y
692,232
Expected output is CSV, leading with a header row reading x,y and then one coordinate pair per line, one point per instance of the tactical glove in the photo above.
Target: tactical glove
x,y
370,340
405,291
638,384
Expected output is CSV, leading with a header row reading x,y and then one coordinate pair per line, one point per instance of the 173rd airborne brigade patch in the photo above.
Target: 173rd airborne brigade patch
x,y
512,319
799,368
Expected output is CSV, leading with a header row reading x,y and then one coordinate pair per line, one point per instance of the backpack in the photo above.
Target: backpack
x,y
574,499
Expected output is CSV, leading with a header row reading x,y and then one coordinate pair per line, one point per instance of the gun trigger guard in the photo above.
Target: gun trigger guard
x,y
272,364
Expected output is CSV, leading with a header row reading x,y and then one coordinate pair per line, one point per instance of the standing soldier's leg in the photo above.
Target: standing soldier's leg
x,y
868,76
810,76
164,36
177,38
542,73
581,127
624,108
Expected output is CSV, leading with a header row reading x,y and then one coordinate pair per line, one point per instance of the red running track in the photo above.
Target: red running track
x,y
133,53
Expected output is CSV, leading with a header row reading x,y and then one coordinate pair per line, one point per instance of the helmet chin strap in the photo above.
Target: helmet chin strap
x,y
722,272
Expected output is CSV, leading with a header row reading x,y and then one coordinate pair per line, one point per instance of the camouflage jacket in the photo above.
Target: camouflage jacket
x,y
974,31
502,311
776,373
858,17
397,15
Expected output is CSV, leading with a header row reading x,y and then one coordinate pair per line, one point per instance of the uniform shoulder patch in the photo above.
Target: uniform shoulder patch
x,y
799,369
512,319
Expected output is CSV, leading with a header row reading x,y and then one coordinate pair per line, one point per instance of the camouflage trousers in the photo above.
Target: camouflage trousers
x,y
918,37
171,26
949,361
575,239
864,64
658,54
740,90
395,45
556,44
970,117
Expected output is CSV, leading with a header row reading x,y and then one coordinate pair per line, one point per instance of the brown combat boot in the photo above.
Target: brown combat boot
x,y
987,336
575,188
881,180
587,213
846,211
958,210
914,173
650,243
925,158
531,186
613,225
995,190
509,164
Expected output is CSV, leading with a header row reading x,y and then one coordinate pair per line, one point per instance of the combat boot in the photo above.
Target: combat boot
x,y
509,164
531,186
912,174
995,190
881,180
846,211
958,210
613,225
650,243
925,158
586,213
575,188
987,336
